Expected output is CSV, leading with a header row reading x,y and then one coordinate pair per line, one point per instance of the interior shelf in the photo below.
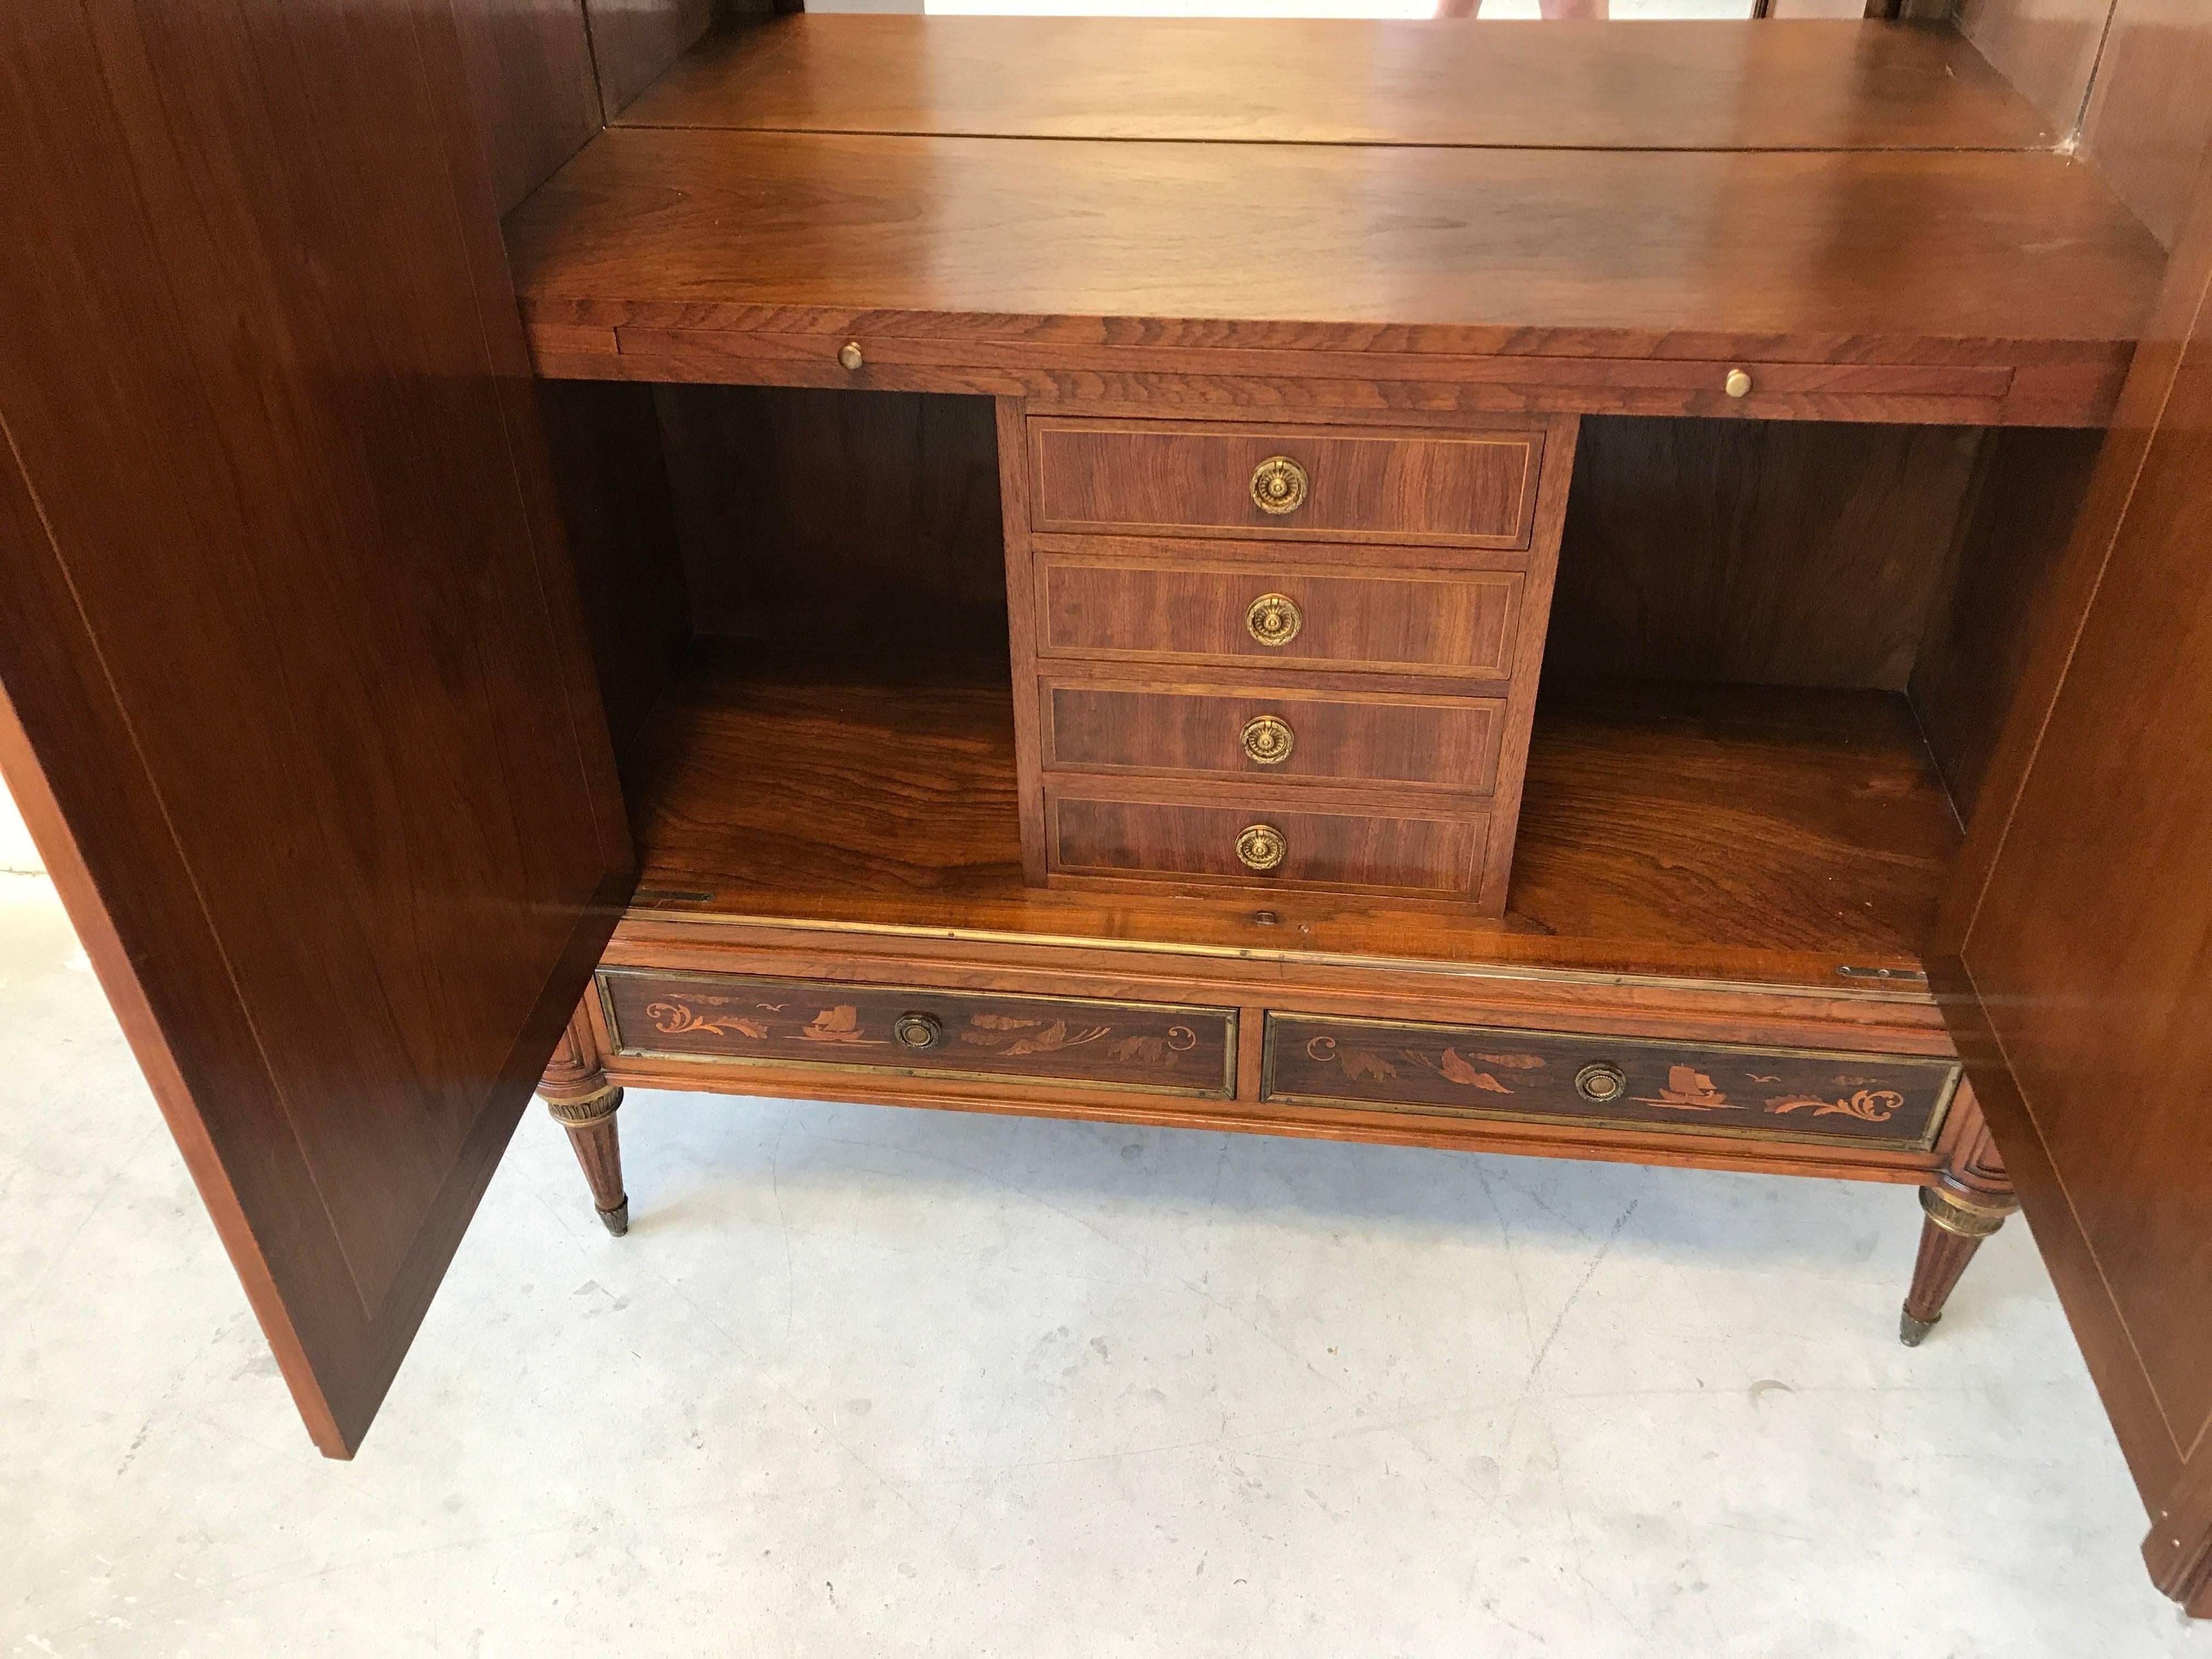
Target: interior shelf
x,y
1766,834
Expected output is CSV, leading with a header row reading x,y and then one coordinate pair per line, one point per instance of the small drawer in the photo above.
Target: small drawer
x,y
1295,736
1455,489
915,1031
1456,623
1254,839
1888,1101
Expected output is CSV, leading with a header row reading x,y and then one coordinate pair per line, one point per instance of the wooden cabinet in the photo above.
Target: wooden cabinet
x,y
995,604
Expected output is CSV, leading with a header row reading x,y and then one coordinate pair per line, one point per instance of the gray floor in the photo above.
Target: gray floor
x,y
868,1381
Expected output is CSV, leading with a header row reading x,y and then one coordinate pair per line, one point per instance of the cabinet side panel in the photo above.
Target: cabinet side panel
x,y
2149,115
2047,48
530,81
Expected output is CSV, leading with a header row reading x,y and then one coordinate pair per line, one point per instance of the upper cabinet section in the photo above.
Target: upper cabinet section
x,y
1850,222
1567,86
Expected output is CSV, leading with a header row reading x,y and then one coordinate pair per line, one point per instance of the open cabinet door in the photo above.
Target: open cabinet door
x,y
297,700
2078,954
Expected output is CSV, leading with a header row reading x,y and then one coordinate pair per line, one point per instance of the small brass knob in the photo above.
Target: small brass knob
x,y
849,355
1738,383
1278,485
1268,740
1260,846
1275,619
1601,1082
919,1030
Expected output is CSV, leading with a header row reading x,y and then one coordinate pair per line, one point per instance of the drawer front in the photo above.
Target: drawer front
x,y
1293,736
910,1030
1251,612
1462,490
1471,1071
1096,834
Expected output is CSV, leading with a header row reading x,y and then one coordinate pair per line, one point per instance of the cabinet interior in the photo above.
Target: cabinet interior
x,y
1779,659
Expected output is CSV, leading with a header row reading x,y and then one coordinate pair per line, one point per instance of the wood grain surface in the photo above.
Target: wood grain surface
x,y
1577,86
1163,253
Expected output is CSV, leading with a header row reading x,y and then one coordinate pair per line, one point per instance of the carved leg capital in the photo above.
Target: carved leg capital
x,y
1968,1200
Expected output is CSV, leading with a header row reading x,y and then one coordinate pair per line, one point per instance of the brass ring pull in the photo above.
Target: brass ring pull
x,y
1268,740
919,1030
1601,1082
1260,846
1275,619
1278,485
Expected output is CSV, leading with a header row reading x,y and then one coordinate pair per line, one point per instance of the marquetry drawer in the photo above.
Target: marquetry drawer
x,y
915,1031
1455,623
1475,489
1471,1071
1252,837
1293,736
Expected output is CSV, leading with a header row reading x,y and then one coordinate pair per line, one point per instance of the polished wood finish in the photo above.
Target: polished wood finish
x,y
2148,119
801,512
1116,829
925,1031
1539,1075
1125,601
2074,945
1761,552
1199,729
535,91
305,707
1730,833
578,1097
2046,48
1139,259
1456,489
1575,85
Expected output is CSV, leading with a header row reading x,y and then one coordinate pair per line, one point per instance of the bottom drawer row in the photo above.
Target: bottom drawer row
x,y
1887,1101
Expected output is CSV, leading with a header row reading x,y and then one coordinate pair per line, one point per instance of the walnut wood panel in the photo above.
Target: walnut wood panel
x,y
1602,1081
1201,729
1674,85
1129,830
1670,830
304,707
857,522
2084,1006
1195,610
1460,489
634,41
608,464
1974,650
2046,48
1769,552
535,96
2148,119
1169,1050
1166,251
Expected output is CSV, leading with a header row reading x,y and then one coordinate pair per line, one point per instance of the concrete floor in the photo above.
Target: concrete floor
x,y
866,1382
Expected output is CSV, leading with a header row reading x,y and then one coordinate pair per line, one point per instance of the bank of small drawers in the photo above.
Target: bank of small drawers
x,y
1274,654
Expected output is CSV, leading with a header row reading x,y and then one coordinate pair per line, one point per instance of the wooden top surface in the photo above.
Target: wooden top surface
x,y
1643,86
1865,256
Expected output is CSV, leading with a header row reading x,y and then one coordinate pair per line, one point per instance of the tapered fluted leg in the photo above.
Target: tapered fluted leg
x,y
575,1089
1968,1200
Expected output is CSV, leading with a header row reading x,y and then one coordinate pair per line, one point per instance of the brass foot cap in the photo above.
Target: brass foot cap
x,y
1913,1331
617,1219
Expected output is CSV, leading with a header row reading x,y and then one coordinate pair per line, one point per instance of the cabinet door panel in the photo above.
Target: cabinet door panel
x,y
2078,950
298,700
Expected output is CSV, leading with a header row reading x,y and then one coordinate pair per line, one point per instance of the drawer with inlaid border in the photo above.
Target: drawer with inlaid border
x,y
1889,1100
913,1030
1220,728
1465,488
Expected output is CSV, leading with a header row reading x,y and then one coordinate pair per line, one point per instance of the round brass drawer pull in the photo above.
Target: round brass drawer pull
x,y
849,355
1268,740
1738,383
1601,1082
919,1030
1275,619
1278,485
1260,846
